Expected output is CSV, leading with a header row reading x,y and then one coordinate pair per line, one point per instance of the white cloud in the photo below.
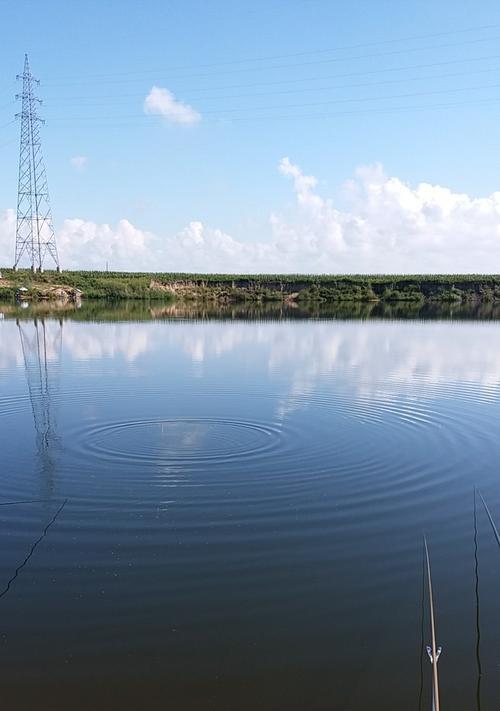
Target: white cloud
x,y
387,226
79,162
163,102
86,244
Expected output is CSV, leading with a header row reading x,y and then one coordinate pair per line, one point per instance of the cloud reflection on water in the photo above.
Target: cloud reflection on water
x,y
372,358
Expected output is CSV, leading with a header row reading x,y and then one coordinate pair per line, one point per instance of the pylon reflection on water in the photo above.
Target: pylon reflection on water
x,y
41,343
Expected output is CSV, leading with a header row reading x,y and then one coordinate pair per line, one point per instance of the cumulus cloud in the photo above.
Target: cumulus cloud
x,y
82,243
79,162
163,102
386,226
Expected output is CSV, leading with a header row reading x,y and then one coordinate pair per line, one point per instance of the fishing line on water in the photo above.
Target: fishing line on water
x,y
478,628
33,548
28,501
490,517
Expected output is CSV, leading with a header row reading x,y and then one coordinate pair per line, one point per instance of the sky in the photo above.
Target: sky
x,y
276,135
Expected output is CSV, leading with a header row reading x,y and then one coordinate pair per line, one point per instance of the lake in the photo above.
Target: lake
x,y
209,508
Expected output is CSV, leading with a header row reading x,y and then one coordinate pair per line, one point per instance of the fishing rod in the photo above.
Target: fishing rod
x,y
432,650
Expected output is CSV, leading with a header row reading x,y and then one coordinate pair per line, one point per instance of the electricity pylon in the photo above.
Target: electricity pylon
x,y
35,235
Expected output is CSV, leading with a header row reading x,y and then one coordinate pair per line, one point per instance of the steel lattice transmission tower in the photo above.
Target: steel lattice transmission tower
x,y
35,237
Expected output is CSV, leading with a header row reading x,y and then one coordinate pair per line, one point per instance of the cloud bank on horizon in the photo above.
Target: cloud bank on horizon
x,y
387,226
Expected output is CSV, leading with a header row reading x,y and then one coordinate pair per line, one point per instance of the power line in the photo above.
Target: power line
x,y
303,104
370,72
299,64
360,99
304,53
70,100
394,109
140,119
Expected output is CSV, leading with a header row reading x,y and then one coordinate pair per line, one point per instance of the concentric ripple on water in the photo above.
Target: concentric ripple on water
x,y
180,441
245,512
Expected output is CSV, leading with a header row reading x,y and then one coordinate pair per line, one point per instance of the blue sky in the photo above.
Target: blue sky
x,y
333,86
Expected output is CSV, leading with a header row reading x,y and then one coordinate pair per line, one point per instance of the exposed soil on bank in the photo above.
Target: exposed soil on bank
x,y
288,289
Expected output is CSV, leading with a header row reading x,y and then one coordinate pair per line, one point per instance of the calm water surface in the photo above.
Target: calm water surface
x,y
246,498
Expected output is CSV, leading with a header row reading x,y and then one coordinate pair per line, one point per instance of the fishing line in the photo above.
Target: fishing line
x,y
495,530
28,501
33,548
478,628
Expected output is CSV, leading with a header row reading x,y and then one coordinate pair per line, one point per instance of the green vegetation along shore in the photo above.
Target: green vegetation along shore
x,y
225,288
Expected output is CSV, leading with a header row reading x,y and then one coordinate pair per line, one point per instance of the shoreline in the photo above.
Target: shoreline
x,y
260,288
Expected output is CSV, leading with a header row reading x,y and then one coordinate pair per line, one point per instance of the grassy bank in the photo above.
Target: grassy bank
x,y
258,288
93,285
